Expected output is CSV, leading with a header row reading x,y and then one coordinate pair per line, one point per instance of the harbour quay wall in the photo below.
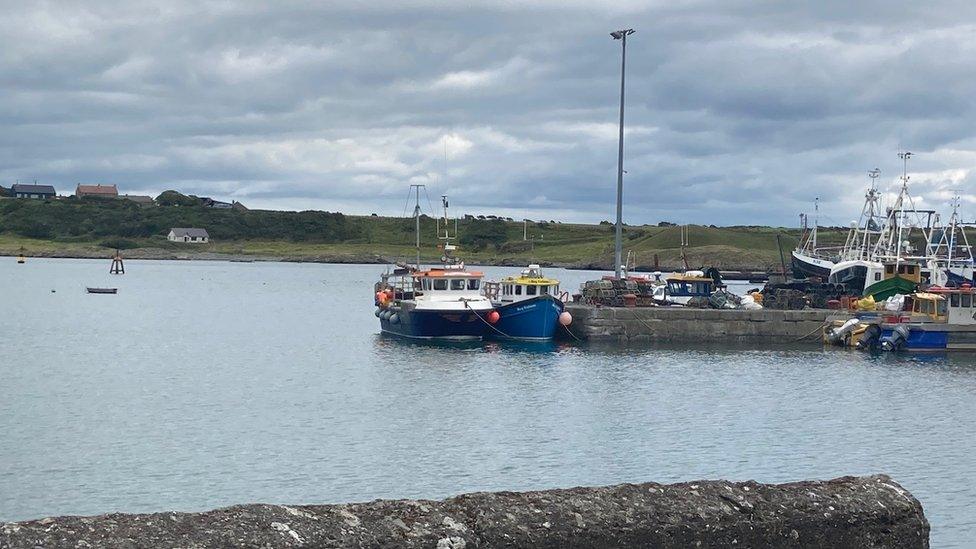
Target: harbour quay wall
x,y
848,512
685,324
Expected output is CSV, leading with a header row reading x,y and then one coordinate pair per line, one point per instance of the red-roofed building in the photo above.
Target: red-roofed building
x,y
98,191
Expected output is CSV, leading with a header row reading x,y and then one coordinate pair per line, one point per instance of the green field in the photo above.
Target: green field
x,y
83,228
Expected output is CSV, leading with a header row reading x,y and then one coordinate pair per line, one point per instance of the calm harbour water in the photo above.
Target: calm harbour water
x,y
205,384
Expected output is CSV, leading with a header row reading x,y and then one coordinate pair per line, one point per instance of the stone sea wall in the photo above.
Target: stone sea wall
x,y
679,324
844,513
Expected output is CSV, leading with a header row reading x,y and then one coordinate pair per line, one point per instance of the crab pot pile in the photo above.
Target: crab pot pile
x,y
610,293
795,296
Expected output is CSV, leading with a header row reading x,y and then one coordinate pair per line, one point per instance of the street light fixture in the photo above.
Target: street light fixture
x,y
618,240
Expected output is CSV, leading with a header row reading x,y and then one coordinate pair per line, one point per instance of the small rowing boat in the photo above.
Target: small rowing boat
x,y
102,290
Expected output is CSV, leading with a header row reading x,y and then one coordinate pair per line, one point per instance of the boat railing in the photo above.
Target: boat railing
x,y
491,289
830,253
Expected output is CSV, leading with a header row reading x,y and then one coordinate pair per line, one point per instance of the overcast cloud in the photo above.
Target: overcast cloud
x,y
737,112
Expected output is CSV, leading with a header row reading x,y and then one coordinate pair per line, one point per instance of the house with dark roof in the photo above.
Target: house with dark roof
x,y
197,236
144,201
33,191
211,203
97,191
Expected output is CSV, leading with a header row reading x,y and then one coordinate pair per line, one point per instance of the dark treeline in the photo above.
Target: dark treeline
x,y
111,220
99,218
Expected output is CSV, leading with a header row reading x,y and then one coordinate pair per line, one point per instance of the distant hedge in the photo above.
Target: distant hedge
x,y
101,219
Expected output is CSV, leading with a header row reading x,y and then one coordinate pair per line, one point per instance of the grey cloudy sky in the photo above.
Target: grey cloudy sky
x,y
738,112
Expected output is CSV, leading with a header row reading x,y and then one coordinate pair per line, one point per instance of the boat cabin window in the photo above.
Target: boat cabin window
x,y
966,300
518,290
440,284
889,269
681,287
544,290
877,277
474,283
942,307
954,299
457,283
530,290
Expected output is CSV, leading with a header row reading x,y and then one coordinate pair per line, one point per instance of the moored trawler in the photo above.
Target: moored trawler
x,y
437,303
529,306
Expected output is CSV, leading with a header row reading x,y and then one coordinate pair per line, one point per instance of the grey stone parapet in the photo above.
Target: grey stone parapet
x,y
681,324
848,512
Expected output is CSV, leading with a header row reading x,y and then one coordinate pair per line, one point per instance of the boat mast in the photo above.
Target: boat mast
x,y
886,247
965,251
871,204
904,192
816,220
447,236
859,240
952,225
416,215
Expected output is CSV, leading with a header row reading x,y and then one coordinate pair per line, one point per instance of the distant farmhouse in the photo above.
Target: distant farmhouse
x,y
216,204
220,205
144,201
97,191
33,191
199,236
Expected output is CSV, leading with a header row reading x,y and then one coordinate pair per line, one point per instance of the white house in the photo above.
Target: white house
x,y
199,236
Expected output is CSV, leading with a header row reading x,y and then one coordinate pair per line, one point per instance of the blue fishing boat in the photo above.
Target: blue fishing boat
x,y
527,307
437,303
939,319
440,303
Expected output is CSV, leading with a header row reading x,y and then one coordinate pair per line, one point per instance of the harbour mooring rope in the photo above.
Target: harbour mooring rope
x,y
570,332
818,329
468,306
639,319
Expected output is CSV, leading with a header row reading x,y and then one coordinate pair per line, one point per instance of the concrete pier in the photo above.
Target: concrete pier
x,y
845,513
680,324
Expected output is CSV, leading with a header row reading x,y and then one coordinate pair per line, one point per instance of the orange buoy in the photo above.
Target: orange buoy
x,y
565,318
493,317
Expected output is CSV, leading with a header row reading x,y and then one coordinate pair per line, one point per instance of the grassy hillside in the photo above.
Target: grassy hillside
x,y
87,228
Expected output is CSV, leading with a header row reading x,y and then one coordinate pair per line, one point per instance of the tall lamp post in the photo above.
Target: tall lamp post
x,y
618,241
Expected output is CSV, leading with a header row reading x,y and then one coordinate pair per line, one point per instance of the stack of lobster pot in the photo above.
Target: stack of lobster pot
x,y
800,294
610,292
782,298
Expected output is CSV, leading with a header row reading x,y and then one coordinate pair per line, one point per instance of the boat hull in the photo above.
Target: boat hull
x,y
425,324
919,339
806,267
531,319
